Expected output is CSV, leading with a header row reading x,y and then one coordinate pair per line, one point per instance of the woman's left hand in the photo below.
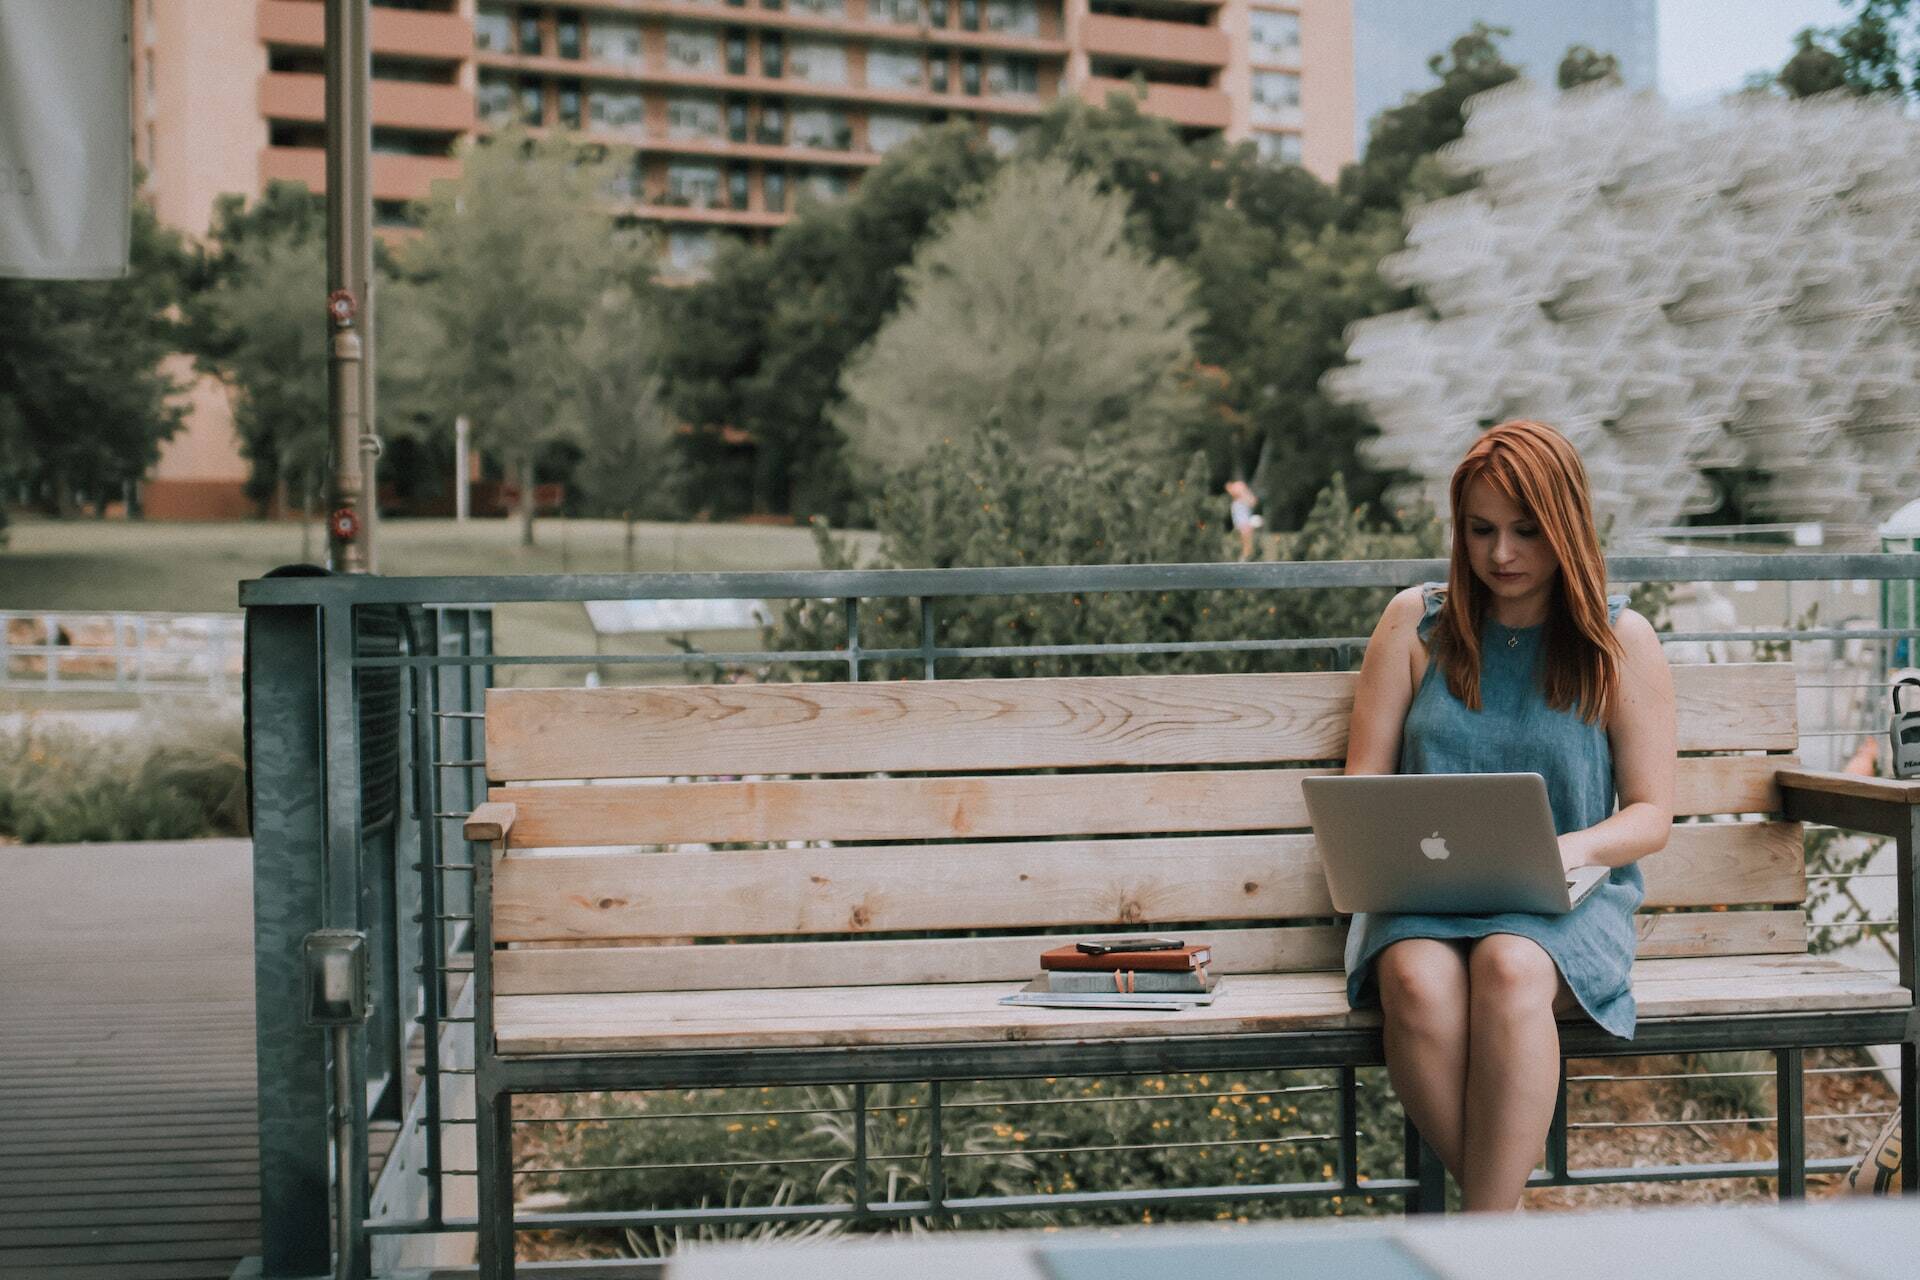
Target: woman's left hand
x,y
1570,854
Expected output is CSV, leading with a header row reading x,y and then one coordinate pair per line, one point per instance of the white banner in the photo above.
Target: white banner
x,y
66,138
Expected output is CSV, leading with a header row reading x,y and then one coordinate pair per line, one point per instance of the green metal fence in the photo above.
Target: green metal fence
x,y
365,735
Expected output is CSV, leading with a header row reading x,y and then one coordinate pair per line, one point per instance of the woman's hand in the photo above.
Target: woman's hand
x,y
1571,853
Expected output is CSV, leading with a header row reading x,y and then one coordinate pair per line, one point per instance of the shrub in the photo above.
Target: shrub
x,y
984,501
172,780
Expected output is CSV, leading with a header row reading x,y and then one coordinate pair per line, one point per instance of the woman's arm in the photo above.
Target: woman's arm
x,y
1642,733
1385,689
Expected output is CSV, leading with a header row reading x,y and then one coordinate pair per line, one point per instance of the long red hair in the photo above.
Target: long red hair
x,y
1538,471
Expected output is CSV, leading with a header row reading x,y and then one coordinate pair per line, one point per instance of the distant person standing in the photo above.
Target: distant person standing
x,y
1245,519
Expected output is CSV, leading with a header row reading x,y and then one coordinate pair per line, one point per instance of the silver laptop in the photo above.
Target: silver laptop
x,y
1443,843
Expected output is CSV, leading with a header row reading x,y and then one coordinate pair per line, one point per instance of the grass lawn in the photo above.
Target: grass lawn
x,y
97,565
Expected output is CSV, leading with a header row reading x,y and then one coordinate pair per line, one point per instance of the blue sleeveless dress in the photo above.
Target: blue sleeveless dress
x,y
1517,732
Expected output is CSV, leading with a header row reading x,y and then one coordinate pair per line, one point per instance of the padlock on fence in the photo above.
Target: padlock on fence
x,y
1904,734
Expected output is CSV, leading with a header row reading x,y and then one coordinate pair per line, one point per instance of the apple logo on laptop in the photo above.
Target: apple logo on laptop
x,y
1434,847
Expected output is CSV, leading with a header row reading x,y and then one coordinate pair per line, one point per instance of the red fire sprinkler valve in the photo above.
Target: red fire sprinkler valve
x,y
344,524
341,307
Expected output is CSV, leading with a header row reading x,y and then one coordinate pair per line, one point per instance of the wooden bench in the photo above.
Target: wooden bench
x,y
795,823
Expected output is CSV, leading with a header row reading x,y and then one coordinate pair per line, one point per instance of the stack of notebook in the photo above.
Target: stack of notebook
x,y
1121,973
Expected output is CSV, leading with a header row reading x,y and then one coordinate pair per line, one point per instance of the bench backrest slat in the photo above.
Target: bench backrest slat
x,y
1007,806
540,971
962,725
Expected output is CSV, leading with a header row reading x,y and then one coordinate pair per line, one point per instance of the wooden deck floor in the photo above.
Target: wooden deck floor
x,y
127,1087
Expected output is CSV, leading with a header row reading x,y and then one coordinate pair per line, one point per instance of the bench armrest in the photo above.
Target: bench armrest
x,y
1904,791
491,821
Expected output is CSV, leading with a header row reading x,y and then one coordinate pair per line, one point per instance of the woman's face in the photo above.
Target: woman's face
x,y
1505,546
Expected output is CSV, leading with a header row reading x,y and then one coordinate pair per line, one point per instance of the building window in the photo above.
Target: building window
x,y
1276,97
969,15
616,39
888,129
153,152
692,50
894,67
689,116
822,128
1003,138
532,103
937,15
1015,17
970,73
618,111
773,190
826,184
1275,36
693,186
152,81
773,124
494,101
903,13
736,52
772,54
736,119
1278,148
1013,77
937,71
493,29
689,251
818,61
629,182
569,103
737,186
566,33
529,32
405,142
821,8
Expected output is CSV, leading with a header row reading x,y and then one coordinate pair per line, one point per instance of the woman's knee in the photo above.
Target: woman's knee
x,y
1422,980
1512,971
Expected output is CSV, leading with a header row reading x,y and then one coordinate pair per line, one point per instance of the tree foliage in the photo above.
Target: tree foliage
x,y
510,261
1031,311
986,499
1876,54
84,401
618,412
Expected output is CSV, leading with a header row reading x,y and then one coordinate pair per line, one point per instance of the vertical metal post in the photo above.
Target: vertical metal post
x,y
1790,1099
926,638
1425,1170
493,1106
287,801
350,286
341,769
1907,880
851,606
1349,1131
859,1150
433,947
462,468
1557,1131
936,1158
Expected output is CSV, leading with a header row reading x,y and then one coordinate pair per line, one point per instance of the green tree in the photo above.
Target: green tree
x,y
1878,53
509,261
623,427
761,344
1031,311
263,333
1583,65
84,401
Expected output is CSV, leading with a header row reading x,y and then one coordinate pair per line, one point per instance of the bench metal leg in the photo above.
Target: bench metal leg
x,y
1790,1099
494,1147
1910,1112
1424,1169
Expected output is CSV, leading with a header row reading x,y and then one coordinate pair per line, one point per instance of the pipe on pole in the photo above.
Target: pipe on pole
x,y
354,443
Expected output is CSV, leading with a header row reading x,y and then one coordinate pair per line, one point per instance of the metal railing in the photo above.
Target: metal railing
x,y
133,653
310,670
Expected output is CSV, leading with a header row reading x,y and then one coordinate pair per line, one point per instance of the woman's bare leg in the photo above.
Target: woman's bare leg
x,y
1513,1075
1423,998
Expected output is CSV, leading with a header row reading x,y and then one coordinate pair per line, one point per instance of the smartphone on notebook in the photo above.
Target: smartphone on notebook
x,y
1120,945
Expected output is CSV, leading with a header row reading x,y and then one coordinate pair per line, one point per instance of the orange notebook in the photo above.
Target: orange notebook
x,y
1177,961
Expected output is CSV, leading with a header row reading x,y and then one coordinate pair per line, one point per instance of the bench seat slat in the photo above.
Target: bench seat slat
x,y
892,962
1007,806
963,725
1122,883
961,1013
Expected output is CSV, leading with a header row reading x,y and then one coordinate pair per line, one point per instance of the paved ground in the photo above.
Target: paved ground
x,y
127,1087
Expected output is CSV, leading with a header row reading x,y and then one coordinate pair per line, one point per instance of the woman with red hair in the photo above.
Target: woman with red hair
x,y
1518,663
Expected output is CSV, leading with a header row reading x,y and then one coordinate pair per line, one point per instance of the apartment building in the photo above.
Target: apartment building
x,y
735,110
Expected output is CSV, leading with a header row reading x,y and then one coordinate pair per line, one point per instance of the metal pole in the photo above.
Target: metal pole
x,y
345,1205
462,438
350,288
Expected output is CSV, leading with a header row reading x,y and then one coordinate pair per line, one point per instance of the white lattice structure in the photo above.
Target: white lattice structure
x,y
1729,286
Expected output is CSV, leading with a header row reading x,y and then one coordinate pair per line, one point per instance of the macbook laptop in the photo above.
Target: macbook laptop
x,y
1443,843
